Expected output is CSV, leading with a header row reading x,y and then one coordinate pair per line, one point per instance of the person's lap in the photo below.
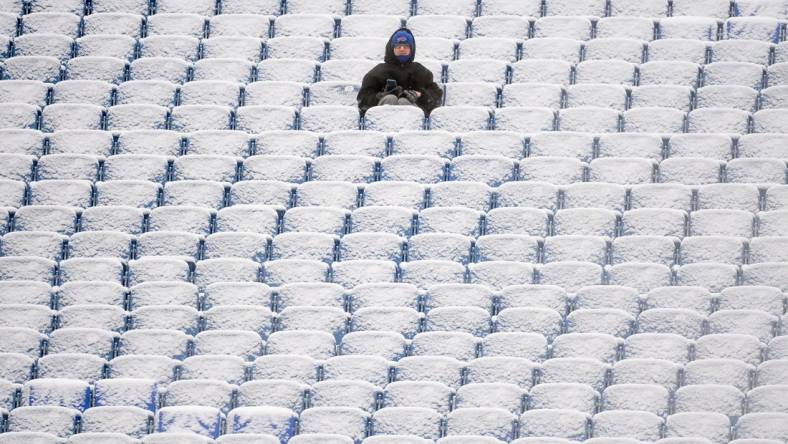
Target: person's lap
x,y
391,99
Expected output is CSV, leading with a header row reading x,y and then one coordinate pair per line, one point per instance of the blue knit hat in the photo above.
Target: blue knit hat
x,y
402,38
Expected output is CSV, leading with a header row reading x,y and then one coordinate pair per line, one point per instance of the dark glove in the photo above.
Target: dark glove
x,y
411,95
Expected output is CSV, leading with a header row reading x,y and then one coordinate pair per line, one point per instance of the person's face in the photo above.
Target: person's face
x,y
402,50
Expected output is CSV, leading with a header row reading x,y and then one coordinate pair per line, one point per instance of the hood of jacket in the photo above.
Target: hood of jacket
x,y
390,57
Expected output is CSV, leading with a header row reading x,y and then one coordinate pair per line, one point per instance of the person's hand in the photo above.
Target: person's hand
x,y
411,95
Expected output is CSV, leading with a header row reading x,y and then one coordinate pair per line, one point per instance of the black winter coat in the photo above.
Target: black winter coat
x,y
409,75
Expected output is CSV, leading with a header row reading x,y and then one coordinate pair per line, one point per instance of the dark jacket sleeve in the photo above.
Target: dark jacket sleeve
x,y
370,87
431,92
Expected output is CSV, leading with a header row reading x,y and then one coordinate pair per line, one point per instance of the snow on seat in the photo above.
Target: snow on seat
x,y
626,49
722,223
168,69
663,346
44,44
54,420
597,95
507,26
713,146
477,70
496,48
343,393
34,317
733,73
295,245
527,221
756,170
60,116
654,120
743,347
373,23
284,142
347,421
546,95
324,118
471,93
206,167
152,317
423,394
113,218
210,92
659,372
282,69
118,46
92,269
714,276
136,116
629,424
557,423
25,292
127,421
261,118
416,421
605,72
524,119
246,25
41,68
481,421
181,218
285,271
718,120
233,47
588,118
602,320
712,426
10,437
275,168
767,249
678,49
178,23
669,72
690,170
333,93
68,166
684,322
663,96
329,319
22,141
741,51
278,393
216,394
86,142
123,19
507,396
638,27
17,167
188,118
203,421
566,396
19,115
32,92
577,28
158,269
491,170
46,218
329,220
691,28
298,47
181,47
100,316
722,249
371,246
639,397
259,193
575,248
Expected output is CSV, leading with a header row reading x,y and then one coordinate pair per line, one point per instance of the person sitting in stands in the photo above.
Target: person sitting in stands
x,y
399,80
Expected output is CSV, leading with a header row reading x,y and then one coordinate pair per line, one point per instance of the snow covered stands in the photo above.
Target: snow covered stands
x,y
203,242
